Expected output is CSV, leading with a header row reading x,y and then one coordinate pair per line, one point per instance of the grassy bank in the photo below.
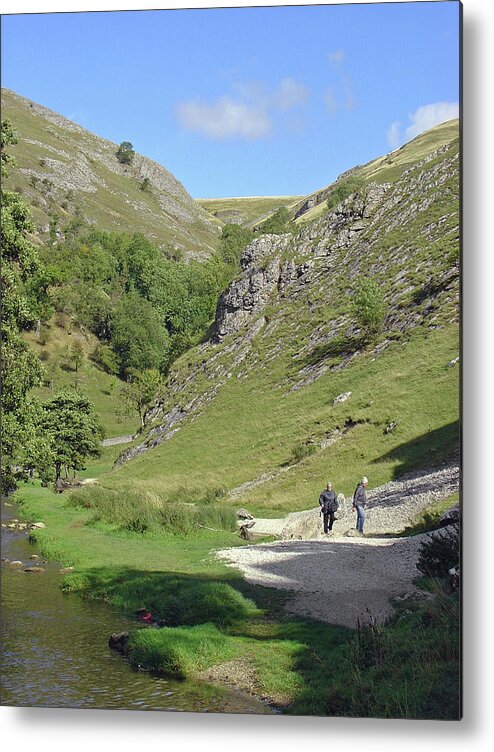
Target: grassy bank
x,y
215,625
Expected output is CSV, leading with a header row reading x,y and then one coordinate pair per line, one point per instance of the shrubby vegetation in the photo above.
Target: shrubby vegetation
x,y
146,309
69,433
22,280
279,223
343,189
125,153
368,307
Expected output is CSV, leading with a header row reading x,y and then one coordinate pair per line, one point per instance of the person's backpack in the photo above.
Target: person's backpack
x,y
333,505
327,505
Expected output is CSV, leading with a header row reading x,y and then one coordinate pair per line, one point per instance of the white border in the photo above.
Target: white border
x,y
56,730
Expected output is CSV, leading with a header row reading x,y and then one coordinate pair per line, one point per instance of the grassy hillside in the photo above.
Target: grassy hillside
x,y
290,391
247,211
260,401
53,345
386,169
68,174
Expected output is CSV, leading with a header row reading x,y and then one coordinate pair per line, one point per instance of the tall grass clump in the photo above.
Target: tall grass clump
x,y
140,512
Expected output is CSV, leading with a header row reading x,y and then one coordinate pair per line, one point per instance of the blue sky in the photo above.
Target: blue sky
x,y
245,101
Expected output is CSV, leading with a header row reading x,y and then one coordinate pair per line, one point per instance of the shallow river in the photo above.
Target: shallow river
x,y
55,648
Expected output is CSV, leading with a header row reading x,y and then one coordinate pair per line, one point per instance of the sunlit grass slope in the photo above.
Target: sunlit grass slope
x,y
54,345
249,210
254,427
66,172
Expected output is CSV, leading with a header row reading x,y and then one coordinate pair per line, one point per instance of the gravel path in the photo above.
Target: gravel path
x,y
342,578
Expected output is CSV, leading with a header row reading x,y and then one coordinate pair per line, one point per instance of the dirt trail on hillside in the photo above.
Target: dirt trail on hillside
x,y
342,578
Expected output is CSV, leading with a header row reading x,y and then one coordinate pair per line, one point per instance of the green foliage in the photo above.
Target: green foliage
x,y
70,430
145,185
8,138
21,370
140,512
368,306
301,451
278,223
125,153
77,355
343,189
146,307
106,358
137,335
234,239
141,390
440,552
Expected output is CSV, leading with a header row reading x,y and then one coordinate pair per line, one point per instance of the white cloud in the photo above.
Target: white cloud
x,y
393,134
290,94
248,115
429,115
224,119
336,56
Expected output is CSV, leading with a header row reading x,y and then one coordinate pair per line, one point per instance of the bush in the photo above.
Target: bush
x,y
343,189
278,223
125,153
301,451
440,552
368,307
104,357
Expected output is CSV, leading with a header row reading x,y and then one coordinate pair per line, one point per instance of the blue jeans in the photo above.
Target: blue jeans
x,y
360,518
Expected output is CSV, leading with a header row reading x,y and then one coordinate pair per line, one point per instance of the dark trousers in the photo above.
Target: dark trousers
x,y
328,517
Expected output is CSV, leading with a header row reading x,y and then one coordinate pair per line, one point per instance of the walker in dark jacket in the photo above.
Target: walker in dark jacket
x,y
329,504
359,502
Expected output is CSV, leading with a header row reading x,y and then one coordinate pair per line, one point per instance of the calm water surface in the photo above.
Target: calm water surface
x,y
55,648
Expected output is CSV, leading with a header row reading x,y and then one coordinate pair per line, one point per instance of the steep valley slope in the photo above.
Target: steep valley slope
x,y
69,175
286,392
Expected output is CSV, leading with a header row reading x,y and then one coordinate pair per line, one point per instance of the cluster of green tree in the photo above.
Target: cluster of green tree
x,y
144,308
34,436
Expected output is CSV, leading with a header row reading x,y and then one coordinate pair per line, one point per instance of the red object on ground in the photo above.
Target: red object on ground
x,y
145,616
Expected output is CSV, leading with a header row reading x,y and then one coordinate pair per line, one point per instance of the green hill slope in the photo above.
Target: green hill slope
x,y
248,210
254,410
385,169
68,174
